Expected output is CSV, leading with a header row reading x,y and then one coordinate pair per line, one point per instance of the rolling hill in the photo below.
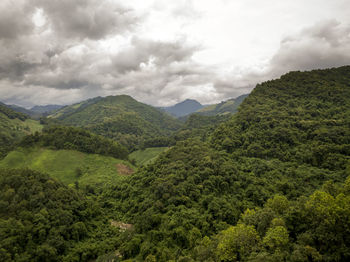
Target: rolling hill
x,y
119,117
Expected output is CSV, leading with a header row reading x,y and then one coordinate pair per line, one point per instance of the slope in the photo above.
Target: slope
x,y
14,126
68,166
119,117
289,137
44,110
226,107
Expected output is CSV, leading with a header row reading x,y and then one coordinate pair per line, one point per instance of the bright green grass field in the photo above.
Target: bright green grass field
x,y
146,156
96,170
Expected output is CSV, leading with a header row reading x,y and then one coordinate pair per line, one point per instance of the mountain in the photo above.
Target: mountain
x,y
121,118
45,109
13,127
290,139
183,108
226,107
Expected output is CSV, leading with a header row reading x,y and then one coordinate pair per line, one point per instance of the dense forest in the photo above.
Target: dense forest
x,y
270,183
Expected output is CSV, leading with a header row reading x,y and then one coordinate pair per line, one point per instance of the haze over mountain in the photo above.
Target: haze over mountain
x,y
45,109
183,108
229,106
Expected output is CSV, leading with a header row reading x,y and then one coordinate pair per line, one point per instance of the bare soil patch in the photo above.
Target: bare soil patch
x,y
121,225
124,169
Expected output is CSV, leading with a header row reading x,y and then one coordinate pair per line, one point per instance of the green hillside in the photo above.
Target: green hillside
x,y
146,156
13,127
69,166
119,117
226,107
290,136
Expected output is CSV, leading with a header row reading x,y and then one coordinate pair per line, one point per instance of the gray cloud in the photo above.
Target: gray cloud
x,y
91,19
71,56
15,19
324,45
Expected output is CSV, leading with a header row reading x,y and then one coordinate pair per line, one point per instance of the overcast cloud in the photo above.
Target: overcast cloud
x,y
161,51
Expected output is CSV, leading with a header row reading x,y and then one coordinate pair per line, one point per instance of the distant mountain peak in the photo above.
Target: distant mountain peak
x,y
184,108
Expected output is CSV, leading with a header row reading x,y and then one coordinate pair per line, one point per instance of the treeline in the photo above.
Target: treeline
x,y
12,114
72,138
43,220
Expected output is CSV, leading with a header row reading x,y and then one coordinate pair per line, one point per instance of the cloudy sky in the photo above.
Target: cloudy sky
x,y
162,51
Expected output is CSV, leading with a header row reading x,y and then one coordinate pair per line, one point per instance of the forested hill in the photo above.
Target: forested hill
x,y
290,136
119,117
302,117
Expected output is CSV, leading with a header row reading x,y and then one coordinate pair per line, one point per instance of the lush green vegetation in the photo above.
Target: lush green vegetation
x,y
71,138
14,126
43,220
267,184
147,155
71,167
197,189
121,118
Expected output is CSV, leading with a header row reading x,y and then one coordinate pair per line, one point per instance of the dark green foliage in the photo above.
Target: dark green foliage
x,y
315,228
42,220
193,188
75,139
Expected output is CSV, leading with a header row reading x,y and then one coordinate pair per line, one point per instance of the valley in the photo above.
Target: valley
x,y
265,176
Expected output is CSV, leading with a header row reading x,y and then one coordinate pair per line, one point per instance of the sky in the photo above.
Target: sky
x,y
162,51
